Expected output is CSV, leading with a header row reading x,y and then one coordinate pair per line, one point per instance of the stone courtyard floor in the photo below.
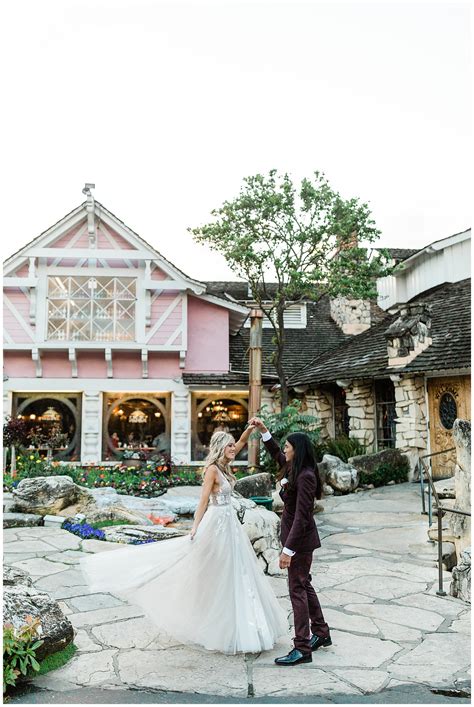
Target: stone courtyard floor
x,y
376,576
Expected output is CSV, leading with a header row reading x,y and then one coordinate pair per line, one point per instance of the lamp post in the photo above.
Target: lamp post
x,y
255,381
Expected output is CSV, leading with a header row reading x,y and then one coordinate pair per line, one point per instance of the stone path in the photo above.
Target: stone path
x,y
376,576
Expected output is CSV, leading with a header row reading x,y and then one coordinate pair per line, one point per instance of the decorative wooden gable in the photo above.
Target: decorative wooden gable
x,y
90,283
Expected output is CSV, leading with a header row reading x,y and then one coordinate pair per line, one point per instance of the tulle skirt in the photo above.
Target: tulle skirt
x,y
209,591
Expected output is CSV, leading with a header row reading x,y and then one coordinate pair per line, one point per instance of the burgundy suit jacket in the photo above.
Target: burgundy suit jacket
x,y
298,529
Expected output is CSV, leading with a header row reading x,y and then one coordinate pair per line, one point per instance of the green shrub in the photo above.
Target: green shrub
x,y
386,472
19,651
343,447
281,424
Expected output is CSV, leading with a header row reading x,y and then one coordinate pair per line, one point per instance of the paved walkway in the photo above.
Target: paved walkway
x,y
376,576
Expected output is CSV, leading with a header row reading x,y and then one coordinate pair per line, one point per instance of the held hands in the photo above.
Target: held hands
x,y
257,422
285,561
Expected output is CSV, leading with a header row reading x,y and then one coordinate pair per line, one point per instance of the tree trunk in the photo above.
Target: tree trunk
x,y
13,462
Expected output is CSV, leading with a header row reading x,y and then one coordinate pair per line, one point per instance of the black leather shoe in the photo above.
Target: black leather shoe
x,y
294,657
318,642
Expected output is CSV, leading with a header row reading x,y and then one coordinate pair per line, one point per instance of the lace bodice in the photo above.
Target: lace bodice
x,y
223,496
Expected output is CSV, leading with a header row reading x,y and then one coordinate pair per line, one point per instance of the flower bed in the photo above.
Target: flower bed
x,y
149,480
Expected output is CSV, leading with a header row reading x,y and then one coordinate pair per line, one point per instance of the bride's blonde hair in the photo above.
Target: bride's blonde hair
x,y
217,445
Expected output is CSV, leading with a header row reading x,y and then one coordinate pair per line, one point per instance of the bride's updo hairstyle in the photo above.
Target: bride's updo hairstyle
x,y
217,445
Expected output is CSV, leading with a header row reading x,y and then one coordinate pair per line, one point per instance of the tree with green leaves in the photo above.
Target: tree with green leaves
x,y
304,237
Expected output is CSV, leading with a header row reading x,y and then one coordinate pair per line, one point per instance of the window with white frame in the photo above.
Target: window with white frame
x,y
91,308
294,317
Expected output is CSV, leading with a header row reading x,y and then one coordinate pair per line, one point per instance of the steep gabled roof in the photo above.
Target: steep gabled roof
x,y
365,355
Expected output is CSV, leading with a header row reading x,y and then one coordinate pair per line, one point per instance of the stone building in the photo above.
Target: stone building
x,y
406,378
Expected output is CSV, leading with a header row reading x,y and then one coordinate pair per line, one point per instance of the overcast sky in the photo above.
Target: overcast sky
x,y
166,106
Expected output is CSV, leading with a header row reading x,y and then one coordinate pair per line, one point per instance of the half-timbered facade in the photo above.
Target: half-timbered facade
x,y
99,329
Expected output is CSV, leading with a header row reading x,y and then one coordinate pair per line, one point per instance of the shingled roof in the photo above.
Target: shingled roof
x,y
365,355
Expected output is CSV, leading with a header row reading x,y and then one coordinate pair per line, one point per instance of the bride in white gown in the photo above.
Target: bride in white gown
x,y
206,588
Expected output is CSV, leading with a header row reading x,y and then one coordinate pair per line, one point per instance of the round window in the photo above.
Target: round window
x,y
448,410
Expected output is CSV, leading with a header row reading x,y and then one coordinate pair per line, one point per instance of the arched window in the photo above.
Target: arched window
x,y
53,422
136,421
211,413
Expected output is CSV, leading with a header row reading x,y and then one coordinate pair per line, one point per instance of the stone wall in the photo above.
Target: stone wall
x,y
351,315
320,404
411,418
361,402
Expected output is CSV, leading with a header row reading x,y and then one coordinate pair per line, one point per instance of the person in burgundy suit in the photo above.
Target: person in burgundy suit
x,y
300,484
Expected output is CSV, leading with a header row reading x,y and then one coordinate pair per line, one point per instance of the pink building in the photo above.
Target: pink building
x,y
100,333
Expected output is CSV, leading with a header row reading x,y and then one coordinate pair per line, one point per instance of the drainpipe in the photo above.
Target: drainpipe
x,y
255,382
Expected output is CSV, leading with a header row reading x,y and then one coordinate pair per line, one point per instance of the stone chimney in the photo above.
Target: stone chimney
x,y
351,315
409,335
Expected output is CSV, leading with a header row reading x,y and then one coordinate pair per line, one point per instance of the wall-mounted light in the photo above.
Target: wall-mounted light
x,y
157,414
33,417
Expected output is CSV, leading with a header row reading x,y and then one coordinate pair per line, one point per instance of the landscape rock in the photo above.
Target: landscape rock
x,y
21,520
460,524
21,600
461,582
368,463
254,485
342,477
133,533
263,530
47,495
444,488
13,575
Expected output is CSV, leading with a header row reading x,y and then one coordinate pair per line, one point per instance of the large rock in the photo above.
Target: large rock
x,y
106,504
13,575
342,477
133,533
263,530
48,495
254,485
21,520
461,583
459,524
368,463
445,488
21,600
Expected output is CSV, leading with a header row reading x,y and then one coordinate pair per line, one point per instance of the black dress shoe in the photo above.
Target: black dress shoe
x,y
318,642
294,657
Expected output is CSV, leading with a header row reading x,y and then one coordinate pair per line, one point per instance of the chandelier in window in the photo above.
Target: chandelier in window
x,y
50,415
138,417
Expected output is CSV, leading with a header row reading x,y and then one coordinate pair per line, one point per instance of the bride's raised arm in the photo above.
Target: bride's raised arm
x,y
210,478
243,439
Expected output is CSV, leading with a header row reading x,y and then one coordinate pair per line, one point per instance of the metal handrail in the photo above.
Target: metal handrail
x,y
441,510
421,465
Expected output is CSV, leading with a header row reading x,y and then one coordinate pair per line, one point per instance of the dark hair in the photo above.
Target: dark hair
x,y
304,457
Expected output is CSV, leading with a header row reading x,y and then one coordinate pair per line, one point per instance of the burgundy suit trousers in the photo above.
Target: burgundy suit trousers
x,y
307,610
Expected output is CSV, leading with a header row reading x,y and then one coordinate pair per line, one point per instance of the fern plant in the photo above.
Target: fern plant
x,y
343,447
282,424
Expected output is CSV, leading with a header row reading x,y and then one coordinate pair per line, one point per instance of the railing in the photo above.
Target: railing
x,y
440,510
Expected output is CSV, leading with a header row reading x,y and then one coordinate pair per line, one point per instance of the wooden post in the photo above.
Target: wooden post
x,y
255,381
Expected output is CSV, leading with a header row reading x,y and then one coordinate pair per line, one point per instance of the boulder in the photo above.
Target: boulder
x,y
263,530
368,463
342,477
107,504
461,583
21,600
133,533
21,520
460,524
444,488
13,575
48,495
254,485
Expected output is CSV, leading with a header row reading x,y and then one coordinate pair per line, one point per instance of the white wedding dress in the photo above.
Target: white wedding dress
x,y
209,591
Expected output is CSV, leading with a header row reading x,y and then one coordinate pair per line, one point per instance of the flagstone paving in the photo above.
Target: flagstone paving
x,y
377,578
